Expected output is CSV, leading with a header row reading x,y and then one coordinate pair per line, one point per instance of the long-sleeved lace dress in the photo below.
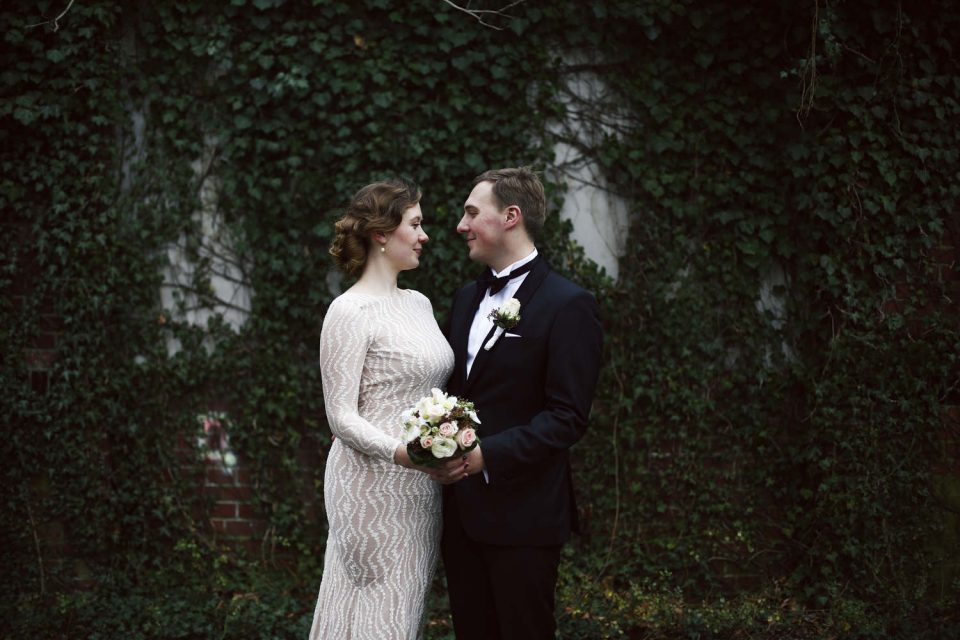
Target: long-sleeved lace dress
x,y
378,356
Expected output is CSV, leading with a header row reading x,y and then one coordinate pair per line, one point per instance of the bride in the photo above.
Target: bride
x,y
380,351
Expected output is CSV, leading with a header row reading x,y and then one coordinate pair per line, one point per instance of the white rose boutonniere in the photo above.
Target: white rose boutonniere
x,y
504,317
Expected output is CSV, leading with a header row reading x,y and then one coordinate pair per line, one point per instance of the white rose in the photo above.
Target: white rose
x,y
448,429
424,404
511,307
450,403
438,396
466,438
443,447
410,432
435,413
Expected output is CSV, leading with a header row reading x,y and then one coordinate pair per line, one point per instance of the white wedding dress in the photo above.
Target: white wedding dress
x,y
378,356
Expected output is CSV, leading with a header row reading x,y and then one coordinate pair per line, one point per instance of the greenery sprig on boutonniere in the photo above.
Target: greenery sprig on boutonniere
x,y
504,317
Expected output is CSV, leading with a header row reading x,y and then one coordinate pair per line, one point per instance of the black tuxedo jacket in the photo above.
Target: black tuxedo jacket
x,y
533,395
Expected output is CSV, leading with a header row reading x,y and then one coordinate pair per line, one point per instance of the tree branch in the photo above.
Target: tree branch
x,y
479,13
56,21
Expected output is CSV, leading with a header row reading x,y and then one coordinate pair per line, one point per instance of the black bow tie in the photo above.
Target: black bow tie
x,y
496,285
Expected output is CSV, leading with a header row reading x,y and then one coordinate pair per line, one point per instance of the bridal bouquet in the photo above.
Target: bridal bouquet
x,y
438,428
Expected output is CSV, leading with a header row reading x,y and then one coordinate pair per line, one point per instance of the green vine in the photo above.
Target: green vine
x,y
767,451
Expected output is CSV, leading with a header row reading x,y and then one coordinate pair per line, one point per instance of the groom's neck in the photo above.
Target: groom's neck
x,y
511,254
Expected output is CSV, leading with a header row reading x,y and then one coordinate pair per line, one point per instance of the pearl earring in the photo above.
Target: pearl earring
x,y
383,249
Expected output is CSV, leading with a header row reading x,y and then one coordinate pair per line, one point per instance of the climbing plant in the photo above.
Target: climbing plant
x,y
767,448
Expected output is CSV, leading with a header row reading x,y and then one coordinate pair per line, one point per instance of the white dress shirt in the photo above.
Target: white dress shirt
x,y
481,322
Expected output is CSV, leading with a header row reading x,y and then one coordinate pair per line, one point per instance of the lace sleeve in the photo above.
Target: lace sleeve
x,y
344,340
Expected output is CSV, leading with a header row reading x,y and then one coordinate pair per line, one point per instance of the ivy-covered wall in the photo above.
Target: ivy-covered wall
x,y
771,451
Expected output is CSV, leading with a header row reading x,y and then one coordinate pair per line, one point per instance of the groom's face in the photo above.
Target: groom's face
x,y
483,225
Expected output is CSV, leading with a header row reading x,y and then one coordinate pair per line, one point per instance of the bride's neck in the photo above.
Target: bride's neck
x,y
378,279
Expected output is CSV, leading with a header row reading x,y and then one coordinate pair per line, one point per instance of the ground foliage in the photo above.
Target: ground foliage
x,y
781,342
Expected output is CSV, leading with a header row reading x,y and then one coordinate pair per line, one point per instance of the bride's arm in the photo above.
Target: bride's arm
x,y
344,341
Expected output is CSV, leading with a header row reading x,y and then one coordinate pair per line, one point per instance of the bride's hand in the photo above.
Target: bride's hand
x,y
447,473
402,458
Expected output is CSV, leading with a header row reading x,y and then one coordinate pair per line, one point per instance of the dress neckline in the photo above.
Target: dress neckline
x,y
393,294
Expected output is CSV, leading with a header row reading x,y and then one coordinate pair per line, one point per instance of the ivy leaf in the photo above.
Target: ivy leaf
x,y
24,116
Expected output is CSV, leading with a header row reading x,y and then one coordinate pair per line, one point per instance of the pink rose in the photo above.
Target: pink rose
x,y
426,442
466,438
448,429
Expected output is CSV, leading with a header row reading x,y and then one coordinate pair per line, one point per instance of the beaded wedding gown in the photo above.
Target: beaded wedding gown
x,y
378,356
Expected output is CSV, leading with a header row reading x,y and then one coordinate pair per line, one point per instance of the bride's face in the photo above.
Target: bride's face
x,y
405,243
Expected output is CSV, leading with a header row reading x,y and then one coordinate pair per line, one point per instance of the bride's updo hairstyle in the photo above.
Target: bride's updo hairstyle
x,y
377,207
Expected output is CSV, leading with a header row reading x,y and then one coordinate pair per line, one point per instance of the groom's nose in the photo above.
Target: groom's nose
x,y
462,225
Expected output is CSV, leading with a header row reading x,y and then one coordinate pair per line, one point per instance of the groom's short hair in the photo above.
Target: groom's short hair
x,y
519,186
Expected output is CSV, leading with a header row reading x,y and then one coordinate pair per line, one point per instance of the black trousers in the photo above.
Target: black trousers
x,y
498,592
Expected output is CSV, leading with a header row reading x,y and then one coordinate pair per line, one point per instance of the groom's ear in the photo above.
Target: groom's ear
x,y
513,217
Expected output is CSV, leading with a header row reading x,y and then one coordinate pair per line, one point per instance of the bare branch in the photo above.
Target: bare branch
x,y
56,21
479,14
809,76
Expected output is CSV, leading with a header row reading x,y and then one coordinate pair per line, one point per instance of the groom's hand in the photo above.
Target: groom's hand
x,y
474,461
450,471
459,468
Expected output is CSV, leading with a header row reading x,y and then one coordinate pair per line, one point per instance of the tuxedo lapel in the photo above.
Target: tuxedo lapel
x,y
524,294
460,329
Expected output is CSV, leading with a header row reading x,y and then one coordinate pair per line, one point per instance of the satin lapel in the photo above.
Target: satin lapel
x,y
526,291
460,330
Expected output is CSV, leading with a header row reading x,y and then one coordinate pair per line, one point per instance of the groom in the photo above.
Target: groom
x,y
512,509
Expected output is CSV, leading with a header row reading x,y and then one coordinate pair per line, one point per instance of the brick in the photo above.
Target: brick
x,y
216,476
242,475
224,510
39,360
246,528
237,494
238,528
48,306
197,511
247,545
951,413
39,382
45,341
51,322
246,511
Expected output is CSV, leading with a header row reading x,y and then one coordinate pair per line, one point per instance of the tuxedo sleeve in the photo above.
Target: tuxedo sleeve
x,y
573,366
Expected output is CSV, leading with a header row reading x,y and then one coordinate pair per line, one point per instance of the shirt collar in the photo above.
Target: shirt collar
x,y
519,263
